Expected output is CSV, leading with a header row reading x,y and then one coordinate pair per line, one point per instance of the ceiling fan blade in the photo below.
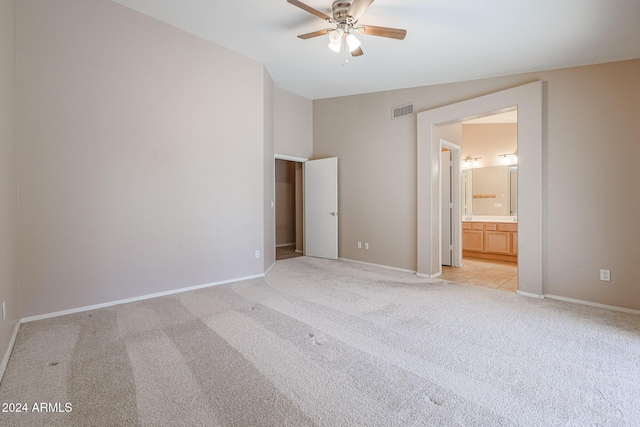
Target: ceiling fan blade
x,y
309,9
357,52
392,33
315,34
358,7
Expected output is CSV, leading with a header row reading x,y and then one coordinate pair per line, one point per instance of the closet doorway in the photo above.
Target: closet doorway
x,y
289,209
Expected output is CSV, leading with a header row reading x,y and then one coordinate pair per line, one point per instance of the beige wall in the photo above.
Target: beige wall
x,y
293,125
588,197
376,174
142,156
9,290
269,243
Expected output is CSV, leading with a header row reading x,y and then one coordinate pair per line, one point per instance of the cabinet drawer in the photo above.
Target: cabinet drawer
x,y
508,227
477,226
490,227
466,226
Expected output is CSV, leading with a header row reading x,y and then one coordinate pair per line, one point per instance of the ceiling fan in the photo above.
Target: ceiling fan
x,y
345,18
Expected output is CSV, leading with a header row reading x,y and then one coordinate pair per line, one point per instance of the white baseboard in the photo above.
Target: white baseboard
x,y
269,269
140,298
581,302
7,354
388,267
429,276
529,294
593,304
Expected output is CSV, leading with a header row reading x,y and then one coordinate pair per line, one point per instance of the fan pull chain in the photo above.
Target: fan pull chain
x,y
346,50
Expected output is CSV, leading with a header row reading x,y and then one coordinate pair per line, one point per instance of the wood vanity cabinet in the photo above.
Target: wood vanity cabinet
x,y
472,236
490,240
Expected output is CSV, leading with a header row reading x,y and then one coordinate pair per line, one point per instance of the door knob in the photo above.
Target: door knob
x,y
333,214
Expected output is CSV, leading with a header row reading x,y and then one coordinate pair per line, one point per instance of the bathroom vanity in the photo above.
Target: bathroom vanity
x,y
490,238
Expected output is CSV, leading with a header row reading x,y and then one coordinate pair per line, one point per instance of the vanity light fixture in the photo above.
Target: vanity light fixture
x,y
509,159
471,162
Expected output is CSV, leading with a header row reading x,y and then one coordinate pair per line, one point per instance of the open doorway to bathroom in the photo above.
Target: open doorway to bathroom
x,y
489,200
529,101
289,205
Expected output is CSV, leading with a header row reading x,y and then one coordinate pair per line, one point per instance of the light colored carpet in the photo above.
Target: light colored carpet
x,y
331,343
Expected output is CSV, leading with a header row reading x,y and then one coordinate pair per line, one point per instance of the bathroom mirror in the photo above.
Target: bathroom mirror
x,y
490,191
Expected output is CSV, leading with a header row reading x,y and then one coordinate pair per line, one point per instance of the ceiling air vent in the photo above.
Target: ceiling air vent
x,y
404,110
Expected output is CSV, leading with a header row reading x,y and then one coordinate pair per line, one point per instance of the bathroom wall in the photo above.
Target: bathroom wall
x,y
488,140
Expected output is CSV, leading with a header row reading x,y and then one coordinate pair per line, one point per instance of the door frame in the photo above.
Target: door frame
x,y
528,99
302,161
456,214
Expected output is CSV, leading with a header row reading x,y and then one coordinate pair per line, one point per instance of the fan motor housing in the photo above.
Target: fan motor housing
x,y
340,11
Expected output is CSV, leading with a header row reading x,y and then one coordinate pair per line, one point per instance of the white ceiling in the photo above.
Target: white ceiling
x,y
447,40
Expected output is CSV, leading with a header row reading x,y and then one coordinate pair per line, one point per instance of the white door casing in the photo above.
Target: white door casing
x,y
321,208
455,225
447,208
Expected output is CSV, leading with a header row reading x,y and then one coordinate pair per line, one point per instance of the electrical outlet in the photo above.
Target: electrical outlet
x,y
605,275
257,254
366,246
359,245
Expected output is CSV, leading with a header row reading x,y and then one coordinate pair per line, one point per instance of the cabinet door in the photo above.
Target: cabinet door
x,y
473,240
514,244
497,242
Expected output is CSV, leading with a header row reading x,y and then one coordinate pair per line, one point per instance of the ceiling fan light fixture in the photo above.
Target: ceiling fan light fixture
x,y
346,16
335,39
353,42
335,47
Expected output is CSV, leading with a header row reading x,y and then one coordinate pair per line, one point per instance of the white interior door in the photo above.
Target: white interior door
x,y
321,208
447,208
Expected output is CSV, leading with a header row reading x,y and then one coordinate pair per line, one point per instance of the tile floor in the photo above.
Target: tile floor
x,y
489,274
